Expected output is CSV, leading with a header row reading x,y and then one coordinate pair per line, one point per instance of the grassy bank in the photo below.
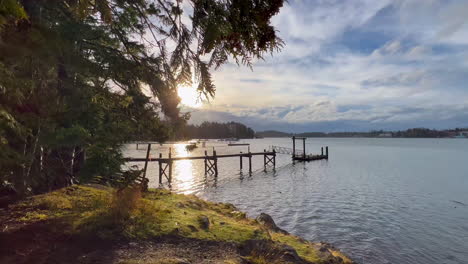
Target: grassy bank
x,y
82,224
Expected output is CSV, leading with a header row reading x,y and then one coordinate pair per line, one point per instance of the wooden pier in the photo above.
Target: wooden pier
x,y
298,155
210,161
304,156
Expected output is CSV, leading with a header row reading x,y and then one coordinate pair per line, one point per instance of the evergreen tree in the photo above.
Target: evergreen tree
x,y
78,78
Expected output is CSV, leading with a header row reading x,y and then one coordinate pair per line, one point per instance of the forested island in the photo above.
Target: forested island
x,y
214,130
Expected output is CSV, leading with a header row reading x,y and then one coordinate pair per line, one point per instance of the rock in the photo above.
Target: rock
x,y
325,253
323,249
238,214
175,231
230,206
267,221
260,234
270,251
204,222
192,228
195,204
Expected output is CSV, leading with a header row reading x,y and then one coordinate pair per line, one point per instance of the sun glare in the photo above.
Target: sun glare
x,y
189,96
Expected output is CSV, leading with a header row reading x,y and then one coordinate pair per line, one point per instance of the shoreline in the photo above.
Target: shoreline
x,y
97,222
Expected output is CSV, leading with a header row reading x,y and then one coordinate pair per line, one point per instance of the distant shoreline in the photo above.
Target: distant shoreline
x,y
409,133
379,137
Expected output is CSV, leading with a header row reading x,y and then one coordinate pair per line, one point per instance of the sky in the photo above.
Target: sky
x,y
355,65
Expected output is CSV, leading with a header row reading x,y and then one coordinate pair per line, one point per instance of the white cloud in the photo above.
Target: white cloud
x,y
418,65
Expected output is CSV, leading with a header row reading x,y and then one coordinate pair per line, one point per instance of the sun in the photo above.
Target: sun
x,y
189,96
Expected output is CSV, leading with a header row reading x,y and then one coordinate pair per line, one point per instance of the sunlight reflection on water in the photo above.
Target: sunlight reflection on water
x,y
380,200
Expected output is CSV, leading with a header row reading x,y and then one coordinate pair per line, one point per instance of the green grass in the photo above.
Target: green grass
x,y
85,210
303,248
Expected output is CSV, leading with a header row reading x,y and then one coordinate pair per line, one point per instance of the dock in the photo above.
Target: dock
x,y
298,155
211,160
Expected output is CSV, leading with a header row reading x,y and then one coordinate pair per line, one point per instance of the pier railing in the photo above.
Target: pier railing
x,y
300,155
284,150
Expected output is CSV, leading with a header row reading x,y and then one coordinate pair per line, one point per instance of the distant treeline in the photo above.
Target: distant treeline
x,y
211,130
409,133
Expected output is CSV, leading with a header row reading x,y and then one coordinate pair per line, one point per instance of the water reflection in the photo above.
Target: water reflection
x,y
184,172
361,200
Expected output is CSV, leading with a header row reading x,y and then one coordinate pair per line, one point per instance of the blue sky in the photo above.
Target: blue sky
x,y
353,65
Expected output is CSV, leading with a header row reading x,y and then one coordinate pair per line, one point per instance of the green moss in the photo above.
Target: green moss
x,y
303,248
85,210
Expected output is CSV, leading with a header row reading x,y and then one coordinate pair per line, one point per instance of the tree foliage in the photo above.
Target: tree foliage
x,y
78,78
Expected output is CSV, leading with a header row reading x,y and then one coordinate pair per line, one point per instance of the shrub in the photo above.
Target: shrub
x,y
124,202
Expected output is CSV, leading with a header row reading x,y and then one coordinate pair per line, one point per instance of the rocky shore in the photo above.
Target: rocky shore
x,y
96,224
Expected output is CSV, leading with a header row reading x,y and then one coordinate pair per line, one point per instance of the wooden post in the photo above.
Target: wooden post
x,y
322,151
240,160
274,159
264,160
146,160
294,147
137,145
206,165
160,168
250,163
170,165
215,160
326,151
303,147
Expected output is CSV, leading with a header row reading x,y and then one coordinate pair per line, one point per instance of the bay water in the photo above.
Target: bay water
x,y
379,200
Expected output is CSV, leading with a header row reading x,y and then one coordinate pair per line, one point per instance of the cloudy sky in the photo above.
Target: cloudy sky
x,y
354,66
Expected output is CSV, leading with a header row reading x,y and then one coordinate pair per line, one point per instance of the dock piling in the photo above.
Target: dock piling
x,y
240,160
326,152
294,147
250,162
170,165
211,164
160,168
146,161
303,147
205,161
215,160
274,159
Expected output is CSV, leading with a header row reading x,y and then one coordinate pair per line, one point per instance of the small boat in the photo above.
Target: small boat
x,y
228,139
238,144
191,146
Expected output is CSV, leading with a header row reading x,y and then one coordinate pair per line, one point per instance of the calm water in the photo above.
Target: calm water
x,y
379,200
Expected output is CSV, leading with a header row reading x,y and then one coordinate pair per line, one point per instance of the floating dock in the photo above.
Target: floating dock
x,y
301,155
